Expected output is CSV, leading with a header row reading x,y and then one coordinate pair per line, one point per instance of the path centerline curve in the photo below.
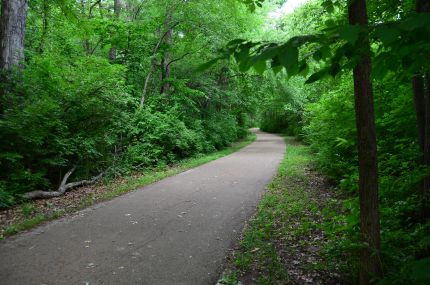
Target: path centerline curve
x,y
175,231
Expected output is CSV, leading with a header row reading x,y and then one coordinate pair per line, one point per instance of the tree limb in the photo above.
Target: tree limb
x,y
90,13
179,58
64,186
154,64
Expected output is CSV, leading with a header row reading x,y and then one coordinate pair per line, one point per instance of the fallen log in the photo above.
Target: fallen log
x,y
63,188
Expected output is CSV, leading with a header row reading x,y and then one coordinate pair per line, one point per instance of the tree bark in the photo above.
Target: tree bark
x,y
45,25
165,66
117,11
421,94
370,265
154,63
64,187
12,32
425,207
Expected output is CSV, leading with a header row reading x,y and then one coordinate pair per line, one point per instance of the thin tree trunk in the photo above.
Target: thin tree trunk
x,y
154,63
145,86
45,25
86,42
165,66
370,265
418,91
117,11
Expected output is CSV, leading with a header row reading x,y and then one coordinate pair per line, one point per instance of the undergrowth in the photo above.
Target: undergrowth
x,y
279,245
32,218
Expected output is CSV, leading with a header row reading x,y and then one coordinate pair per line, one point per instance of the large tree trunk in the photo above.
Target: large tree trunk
x,y
425,208
12,32
421,93
370,264
117,11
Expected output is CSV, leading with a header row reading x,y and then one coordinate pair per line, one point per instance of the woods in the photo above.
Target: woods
x,y
93,89
109,87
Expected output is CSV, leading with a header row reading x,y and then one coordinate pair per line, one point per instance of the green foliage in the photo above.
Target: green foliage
x,y
160,138
323,115
330,130
75,104
67,113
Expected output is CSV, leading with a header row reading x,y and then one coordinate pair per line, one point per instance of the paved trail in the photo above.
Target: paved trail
x,y
176,231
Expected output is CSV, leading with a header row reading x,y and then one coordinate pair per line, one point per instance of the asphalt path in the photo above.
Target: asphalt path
x,y
175,231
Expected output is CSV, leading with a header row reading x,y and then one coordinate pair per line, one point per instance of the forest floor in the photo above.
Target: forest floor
x,y
175,231
284,241
25,216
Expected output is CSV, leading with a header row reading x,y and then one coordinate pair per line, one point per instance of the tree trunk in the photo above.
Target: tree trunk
x,y
12,32
425,207
117,10
45,24
154,64
165,66
422,6
421,93
370,265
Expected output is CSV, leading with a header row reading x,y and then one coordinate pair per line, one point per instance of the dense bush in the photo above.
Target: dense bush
x,y
63,113
75,102
160,138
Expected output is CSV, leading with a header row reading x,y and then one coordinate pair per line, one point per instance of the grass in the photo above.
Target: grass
x,y
281,215
117,189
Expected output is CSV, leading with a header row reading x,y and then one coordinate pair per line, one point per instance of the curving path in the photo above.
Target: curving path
x,y
176,231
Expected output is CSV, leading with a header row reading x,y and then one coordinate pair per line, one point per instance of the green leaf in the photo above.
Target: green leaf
x,y
426,241
207,65
420,270
350,33
289,58
267,53
277,69
328,5
235,42
387,35
304,68
316,76
260,67
317,55
334,69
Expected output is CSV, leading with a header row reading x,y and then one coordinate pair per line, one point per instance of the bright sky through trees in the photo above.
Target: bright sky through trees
x,y
287,8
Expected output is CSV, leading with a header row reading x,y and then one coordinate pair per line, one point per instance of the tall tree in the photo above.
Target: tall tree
x,y
12,32
45,25
164,65
370,264
421,92
117,11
